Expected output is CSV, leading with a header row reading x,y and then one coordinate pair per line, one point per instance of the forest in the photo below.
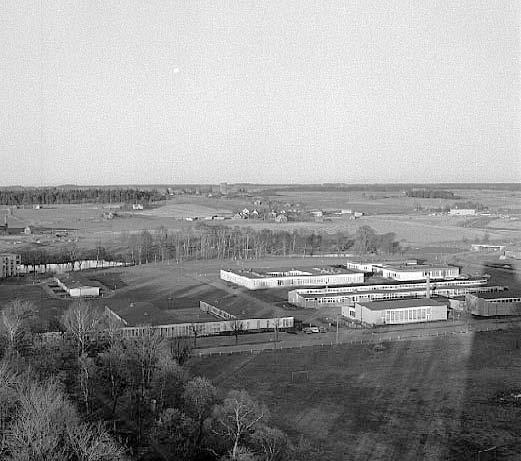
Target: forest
x,y
89,393
54,195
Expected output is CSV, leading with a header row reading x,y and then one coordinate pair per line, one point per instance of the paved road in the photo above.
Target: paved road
x,y
354,336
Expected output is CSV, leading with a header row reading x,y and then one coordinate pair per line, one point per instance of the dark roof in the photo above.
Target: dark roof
x,y
400,304
499,295
145,313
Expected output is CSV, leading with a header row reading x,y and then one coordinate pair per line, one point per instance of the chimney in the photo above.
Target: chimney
x,y
428,287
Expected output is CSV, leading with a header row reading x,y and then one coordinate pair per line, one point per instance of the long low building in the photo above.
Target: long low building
x,y
494,304
343,299
134,318
410,272
256,279
396,312
338,296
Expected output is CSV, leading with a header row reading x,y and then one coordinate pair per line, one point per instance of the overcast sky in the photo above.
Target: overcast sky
x,y
105,92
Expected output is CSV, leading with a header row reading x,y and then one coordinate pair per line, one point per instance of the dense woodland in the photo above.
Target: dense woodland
x,y
91,394
54,195
220,242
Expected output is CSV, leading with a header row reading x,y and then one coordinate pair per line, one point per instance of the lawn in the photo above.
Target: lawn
x,y
428,399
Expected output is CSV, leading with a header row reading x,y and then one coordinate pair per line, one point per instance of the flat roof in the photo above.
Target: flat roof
x,y
145,313
78,281
498,295
400,304
416,267
307,271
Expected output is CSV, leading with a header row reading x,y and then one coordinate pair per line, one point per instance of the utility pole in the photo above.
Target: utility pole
x,y
337,328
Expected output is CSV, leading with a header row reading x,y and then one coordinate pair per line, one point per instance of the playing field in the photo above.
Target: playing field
x,y
432,399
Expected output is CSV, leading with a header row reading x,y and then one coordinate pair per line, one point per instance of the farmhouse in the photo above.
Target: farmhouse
x,y
409,272
396,311
494,304
255,279
9,263
77,288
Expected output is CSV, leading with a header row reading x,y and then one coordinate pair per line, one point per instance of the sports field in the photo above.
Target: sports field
x,y
433,399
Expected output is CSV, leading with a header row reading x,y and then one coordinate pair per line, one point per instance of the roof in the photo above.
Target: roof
x,y
366,292
401,304
78,281
299,271
499,295
415,267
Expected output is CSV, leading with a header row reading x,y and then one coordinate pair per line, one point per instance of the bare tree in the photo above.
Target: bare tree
x,y
81,320
237,416
180,348
238,328
15,322
271,442
199,397
114,371
196,329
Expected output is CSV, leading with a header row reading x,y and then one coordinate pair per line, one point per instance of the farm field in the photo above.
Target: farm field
x,y
378,202
410,229
434,399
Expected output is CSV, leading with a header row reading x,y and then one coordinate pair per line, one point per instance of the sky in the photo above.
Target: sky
x,y
283,91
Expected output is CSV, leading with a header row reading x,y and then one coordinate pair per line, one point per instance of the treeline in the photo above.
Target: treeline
x,y
92,394
54,195
223,242
431,193
220,242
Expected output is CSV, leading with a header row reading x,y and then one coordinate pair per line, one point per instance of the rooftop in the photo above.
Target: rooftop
x,y
415,267
306,271
401,304
499,295
145,313
77,281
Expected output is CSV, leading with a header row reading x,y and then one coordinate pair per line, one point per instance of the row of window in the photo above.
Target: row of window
x,y
403,286
407,315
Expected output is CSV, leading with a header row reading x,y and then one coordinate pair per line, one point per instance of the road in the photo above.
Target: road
x,y
357,336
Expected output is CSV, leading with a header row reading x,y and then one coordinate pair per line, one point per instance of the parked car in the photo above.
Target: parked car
x,y
310,330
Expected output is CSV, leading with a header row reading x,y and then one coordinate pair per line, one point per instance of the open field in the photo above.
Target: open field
x,y
411,229
385,212
397,202
431,399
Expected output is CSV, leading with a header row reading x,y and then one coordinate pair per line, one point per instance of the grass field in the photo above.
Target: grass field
x,y
430,399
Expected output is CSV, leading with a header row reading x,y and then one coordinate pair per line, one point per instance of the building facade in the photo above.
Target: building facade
x,y
410,272
256,280
9,263
339,299
494,304
396,312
